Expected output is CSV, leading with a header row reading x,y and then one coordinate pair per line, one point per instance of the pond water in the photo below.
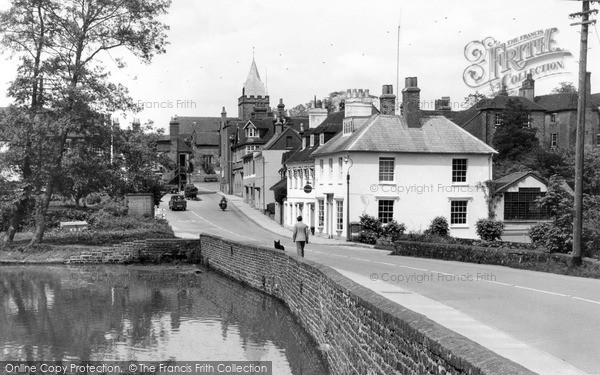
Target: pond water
x,y
143,313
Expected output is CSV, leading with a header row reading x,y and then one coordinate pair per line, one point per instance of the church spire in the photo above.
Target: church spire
x,y
253,85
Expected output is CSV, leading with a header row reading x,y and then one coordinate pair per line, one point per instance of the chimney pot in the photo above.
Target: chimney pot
x,y
387,101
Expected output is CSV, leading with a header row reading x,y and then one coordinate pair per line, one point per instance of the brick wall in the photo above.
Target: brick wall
x,y
152,250
358,331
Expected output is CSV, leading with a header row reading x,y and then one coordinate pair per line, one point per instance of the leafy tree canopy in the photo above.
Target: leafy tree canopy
x,y
564,87
514,138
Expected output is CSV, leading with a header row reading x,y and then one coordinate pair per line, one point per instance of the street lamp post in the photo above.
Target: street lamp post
x,y
348,229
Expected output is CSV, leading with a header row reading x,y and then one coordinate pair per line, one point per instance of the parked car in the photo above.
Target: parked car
x,y
177,202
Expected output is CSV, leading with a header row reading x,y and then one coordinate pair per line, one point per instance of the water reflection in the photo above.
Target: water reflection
x,y
145,313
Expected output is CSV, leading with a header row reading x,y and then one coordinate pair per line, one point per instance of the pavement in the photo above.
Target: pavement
x,y
267,223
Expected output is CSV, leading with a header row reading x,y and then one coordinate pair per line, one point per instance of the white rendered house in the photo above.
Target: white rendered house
x,y
410,168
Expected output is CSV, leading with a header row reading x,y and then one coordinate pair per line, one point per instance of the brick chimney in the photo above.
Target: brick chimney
x,y
387,100
174,127
411,96
281,109
527,89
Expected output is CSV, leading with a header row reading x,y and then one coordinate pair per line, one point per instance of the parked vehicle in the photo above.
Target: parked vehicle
x,y
177,202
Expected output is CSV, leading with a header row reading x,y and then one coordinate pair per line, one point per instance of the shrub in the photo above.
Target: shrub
x,y
551,237
115,208
439,227
137,229
371,224
393,230
489,230
371,229
367,237
93,198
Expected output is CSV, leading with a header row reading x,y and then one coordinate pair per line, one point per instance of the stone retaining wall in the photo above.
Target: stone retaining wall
x,y
152,250
358,331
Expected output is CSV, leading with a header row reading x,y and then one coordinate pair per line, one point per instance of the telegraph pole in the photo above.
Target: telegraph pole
x,y
579,143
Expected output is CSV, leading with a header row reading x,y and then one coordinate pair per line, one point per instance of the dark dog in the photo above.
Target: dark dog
x,y
278,245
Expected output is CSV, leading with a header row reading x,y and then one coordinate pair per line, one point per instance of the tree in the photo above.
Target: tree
x,y
133,170
300,110
60,82
514,138
564,87
473,99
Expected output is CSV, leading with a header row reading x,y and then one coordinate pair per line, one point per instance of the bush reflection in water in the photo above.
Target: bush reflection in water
x,y
145,313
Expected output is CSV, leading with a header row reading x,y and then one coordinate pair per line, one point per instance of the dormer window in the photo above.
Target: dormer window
x,y
251,132
348,126
312,140
303,143
322,139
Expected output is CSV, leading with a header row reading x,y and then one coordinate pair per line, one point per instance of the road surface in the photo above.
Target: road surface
x,y
549,323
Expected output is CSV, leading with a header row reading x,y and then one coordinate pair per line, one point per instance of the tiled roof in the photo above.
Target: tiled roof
x,y
500,101
558,102
287,131
265,127
385,133
182,146
302,155
462,118
281,184
503,183
332,124
206,139
199,124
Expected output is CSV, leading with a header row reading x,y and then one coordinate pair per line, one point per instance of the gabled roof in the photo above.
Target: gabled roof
x,y
286,132
265,127
503,183
390,133
182,146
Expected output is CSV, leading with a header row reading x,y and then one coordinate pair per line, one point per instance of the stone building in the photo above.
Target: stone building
x,y
553,115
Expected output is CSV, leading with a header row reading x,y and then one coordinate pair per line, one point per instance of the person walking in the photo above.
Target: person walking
x,y
300,236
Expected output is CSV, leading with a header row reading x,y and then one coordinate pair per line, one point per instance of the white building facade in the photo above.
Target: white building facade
x,y
409,168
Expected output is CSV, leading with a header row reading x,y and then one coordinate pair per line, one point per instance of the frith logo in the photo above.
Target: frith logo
x,y
497,64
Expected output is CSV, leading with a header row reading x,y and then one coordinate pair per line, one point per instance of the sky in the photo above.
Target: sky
x,y
311,48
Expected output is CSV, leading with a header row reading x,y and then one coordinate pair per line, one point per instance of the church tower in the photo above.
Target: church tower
x,y
254,95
